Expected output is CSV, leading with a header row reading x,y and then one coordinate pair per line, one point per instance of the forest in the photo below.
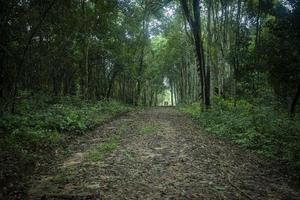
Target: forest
x,y
72,68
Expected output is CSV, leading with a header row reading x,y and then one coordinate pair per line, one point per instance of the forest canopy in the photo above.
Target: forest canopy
x,y
135,50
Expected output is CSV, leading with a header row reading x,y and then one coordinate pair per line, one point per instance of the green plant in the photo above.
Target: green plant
x,y
97,153
259,128
149,128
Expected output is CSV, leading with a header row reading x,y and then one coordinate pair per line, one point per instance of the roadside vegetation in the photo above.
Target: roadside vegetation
x,y
43,126
258,127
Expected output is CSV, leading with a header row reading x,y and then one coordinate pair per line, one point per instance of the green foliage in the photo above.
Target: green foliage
x,y
259,128
32,131
97,153
44,125
281,51
192,109
149,128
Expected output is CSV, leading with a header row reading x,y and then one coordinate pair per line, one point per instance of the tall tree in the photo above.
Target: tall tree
x,y
193,17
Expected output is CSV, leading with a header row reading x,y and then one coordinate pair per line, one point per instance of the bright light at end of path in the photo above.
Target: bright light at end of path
x,y
168,12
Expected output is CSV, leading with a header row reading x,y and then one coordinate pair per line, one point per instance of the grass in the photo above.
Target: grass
x,y
256,127
41,126
149,128
96,154
129,155
62,178
49,125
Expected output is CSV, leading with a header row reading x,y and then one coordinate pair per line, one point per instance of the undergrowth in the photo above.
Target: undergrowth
x,y
149,128
97,154
260,128
42,125
70,117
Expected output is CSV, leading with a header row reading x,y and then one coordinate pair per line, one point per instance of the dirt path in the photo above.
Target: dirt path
x,y
159,153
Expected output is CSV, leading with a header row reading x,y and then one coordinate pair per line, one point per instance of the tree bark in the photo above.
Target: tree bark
x,y
86,89
172,100
294,102
142,38
237,49
111,83
195,24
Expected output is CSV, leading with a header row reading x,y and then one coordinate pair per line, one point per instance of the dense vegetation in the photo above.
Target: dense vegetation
x,y
40,125
67,66
256,127
41,130
134,50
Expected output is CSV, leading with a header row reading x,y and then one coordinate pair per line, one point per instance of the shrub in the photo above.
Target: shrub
x,y
45,127
259,128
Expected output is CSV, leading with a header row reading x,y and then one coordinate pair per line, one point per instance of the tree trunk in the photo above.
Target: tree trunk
x,y
209,46
111,83
143,38
172,100
294,102
86,89
195,24
237,49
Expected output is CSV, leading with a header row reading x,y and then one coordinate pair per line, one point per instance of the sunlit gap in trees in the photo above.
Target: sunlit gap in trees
x,y
156,24
156,29
166,96
287,4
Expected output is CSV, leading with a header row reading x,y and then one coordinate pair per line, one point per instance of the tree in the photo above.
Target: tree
x,y
194,20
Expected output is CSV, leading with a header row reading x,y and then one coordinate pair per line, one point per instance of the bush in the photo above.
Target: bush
x,y
31,129
41,126
259,128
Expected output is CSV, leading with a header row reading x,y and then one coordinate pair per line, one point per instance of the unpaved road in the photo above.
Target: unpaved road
x,y
159,153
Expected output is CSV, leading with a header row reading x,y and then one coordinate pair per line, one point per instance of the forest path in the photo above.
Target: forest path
x,y
159,153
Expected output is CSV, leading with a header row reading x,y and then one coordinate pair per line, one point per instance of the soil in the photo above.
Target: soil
x,y
160,153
